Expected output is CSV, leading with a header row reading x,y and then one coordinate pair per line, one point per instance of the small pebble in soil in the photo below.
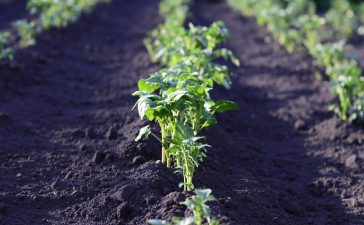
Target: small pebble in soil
x,y
82,147
98,157
111,134
151,200
68,175
125,193
123,210
110,157
166,190
54,184
345,194
351,162
229,203
300,125
90,133
138,160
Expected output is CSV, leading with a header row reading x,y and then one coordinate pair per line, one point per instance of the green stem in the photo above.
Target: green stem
x,y
186,179
343,103
165,156
164,142
178,160
156,137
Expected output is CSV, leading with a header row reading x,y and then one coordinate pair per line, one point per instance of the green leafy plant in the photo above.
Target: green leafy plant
x,y
27,31
296,26
6,52
341,18
55,13
179,102
48,14
177,97
173,45
201,212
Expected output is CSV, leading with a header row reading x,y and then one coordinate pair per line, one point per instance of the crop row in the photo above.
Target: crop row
x,y
177,97
297,26
46,14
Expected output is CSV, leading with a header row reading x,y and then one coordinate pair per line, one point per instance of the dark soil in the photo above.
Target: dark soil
x,y
67,154
11,11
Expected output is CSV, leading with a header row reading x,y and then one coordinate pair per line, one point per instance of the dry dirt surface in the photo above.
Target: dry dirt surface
x,y
67,154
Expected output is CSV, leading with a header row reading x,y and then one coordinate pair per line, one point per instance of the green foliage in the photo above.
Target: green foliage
x,y
179,101
200,210
177,97
174,11
195,47
49,13
6,52
27,32
55,13
295,25
341,18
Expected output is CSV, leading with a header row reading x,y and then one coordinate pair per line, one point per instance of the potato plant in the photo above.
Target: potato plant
x,y
177,97
55,13
196,47
27,31
341,18
6,52
180,104
201,212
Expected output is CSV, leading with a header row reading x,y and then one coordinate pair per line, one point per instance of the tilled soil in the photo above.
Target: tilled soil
x,y
67,154
10,11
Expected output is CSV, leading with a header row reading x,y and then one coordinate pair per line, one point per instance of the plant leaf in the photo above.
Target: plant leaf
x,y
224,105
183,132
209,122
144,132
144,85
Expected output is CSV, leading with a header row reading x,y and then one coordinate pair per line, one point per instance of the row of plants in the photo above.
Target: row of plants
x,y
46,14
177,97
346,18
296,25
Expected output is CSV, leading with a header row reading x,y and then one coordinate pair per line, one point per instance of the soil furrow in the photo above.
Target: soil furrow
x,y
284,158
67,154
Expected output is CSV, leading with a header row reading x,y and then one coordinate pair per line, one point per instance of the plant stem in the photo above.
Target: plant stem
x,y
164,143
165,157
187,173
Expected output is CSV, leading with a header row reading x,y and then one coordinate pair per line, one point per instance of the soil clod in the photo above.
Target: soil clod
x,y
98,157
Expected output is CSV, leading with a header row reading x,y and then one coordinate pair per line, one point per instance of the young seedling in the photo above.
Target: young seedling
x,y
182,108
196,47
201,212
177,98
27,31
6,52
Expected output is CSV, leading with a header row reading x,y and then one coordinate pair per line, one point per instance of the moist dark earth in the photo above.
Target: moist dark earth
x,y
67,154
11,10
